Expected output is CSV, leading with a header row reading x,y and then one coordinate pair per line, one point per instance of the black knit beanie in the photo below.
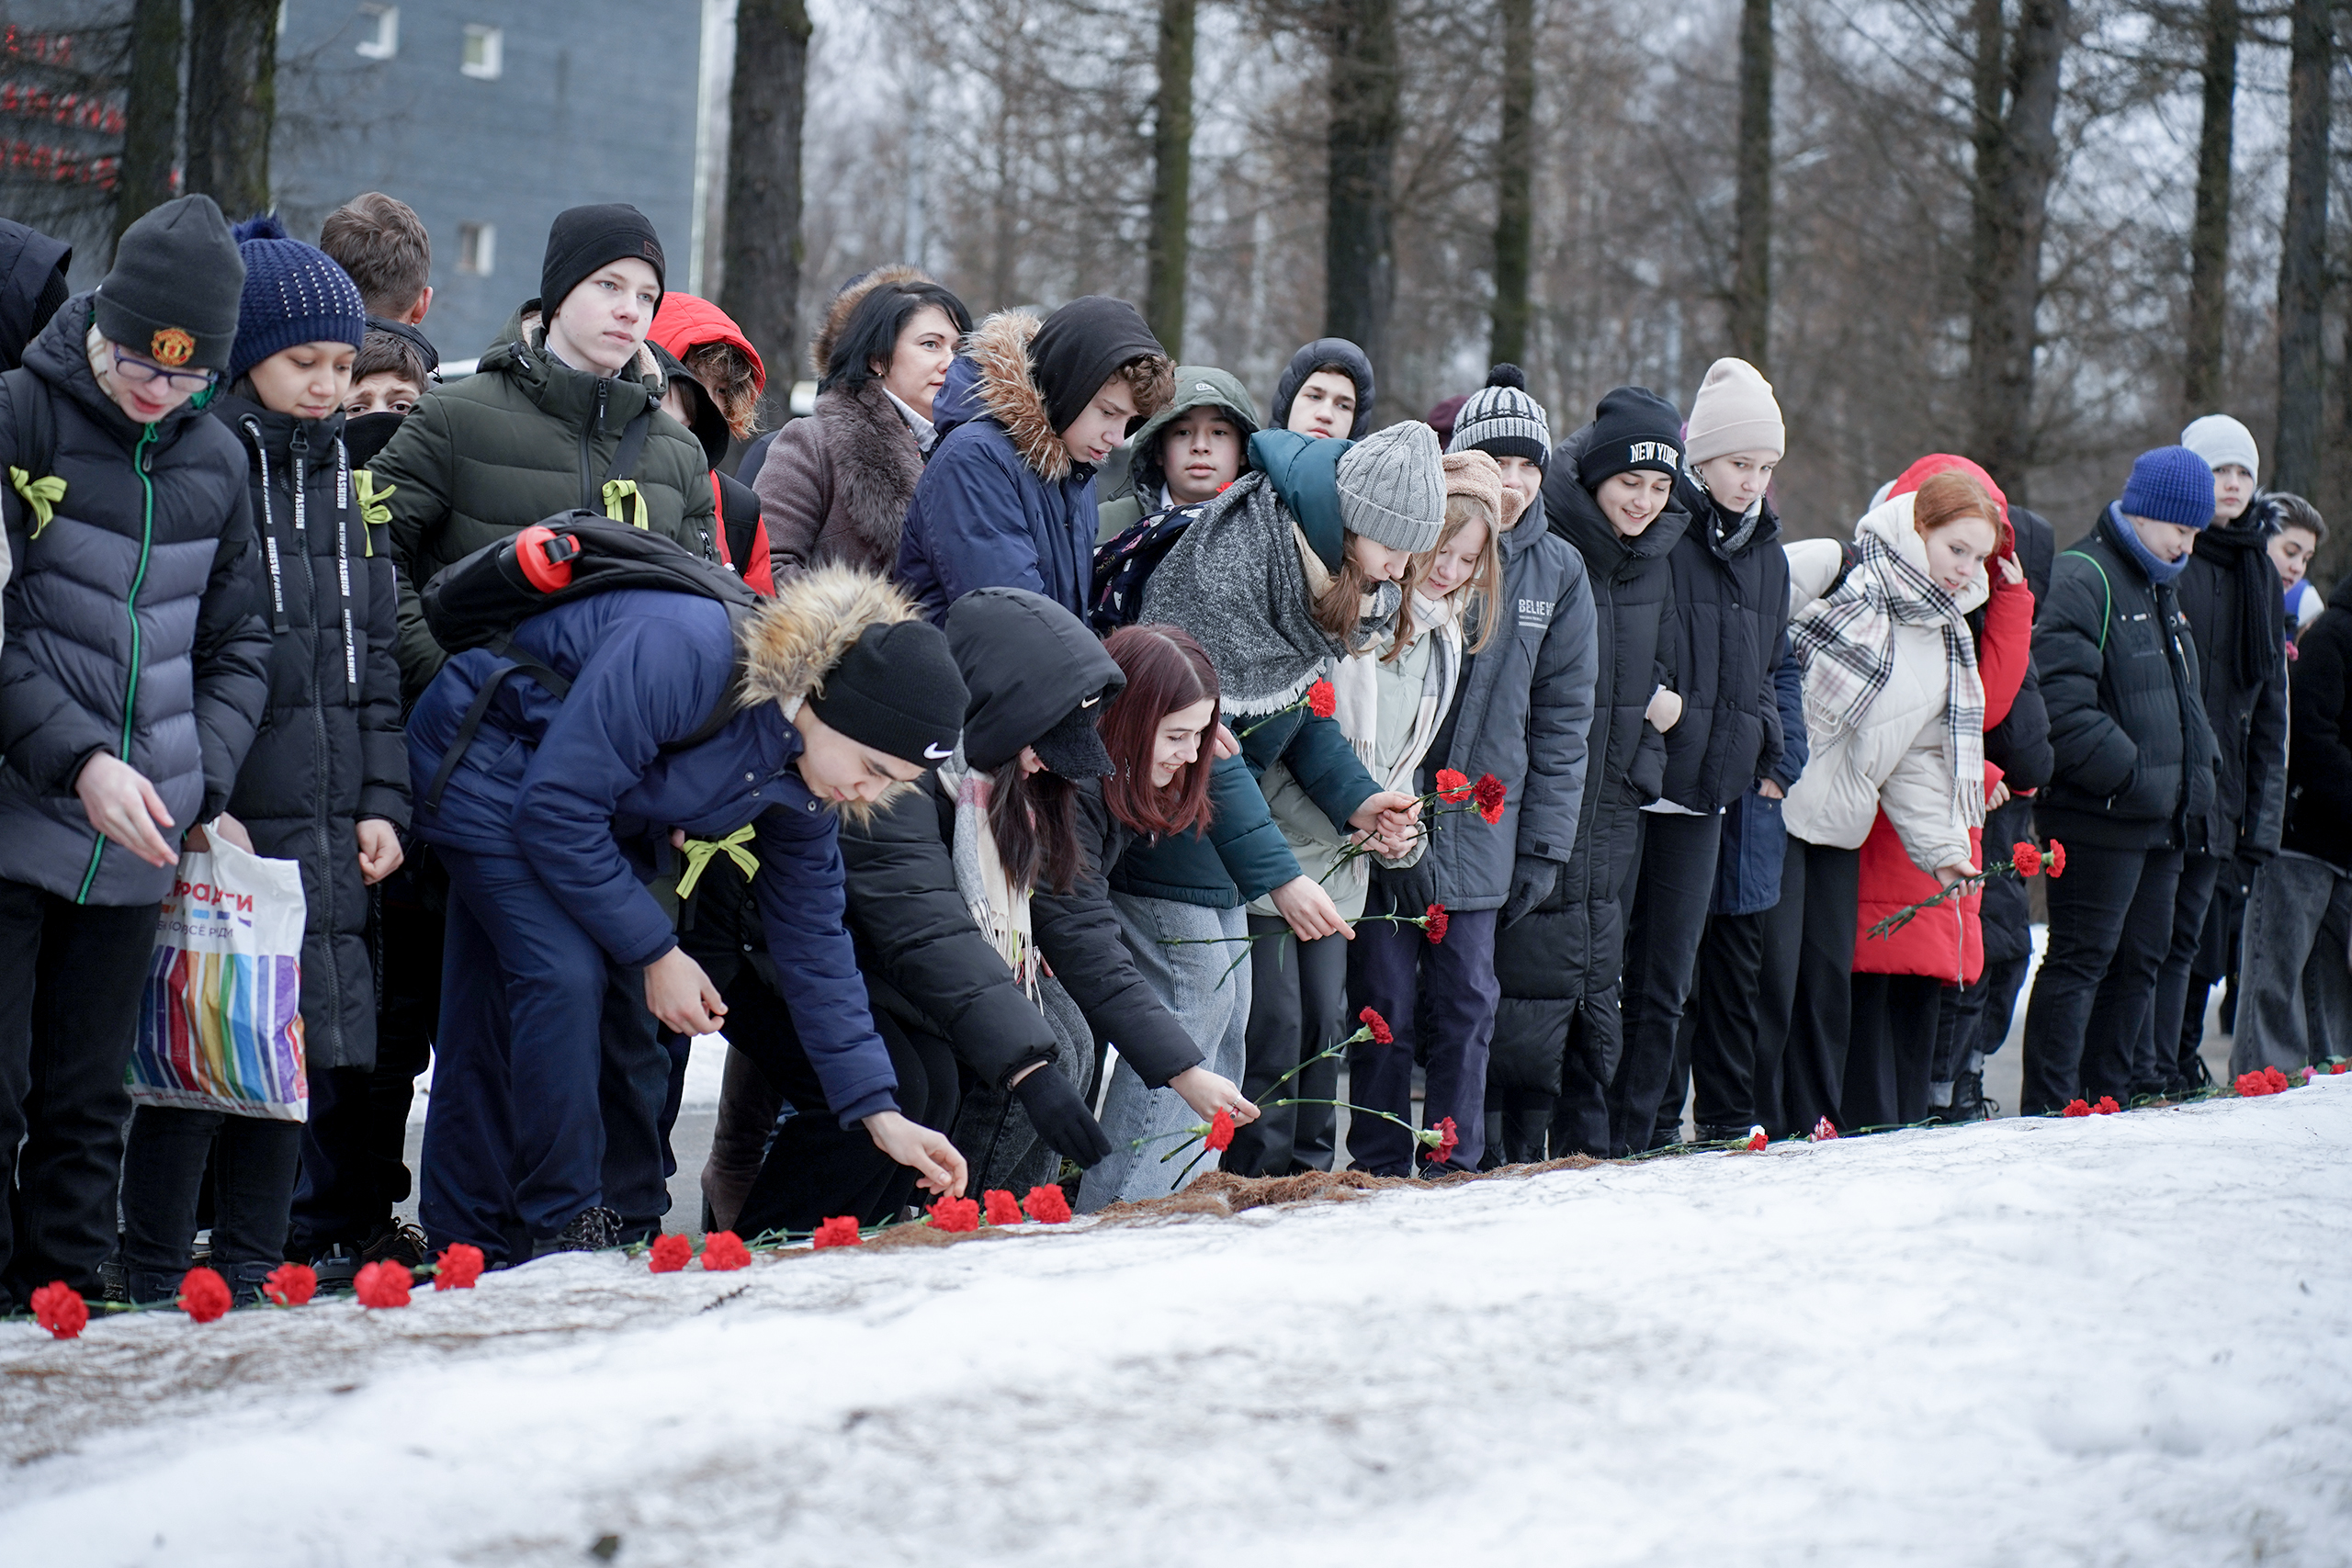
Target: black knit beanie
x,y
897,690
582,239
173,294
1080,346
1633,428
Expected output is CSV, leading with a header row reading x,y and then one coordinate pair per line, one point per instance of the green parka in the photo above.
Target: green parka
x,y
522,438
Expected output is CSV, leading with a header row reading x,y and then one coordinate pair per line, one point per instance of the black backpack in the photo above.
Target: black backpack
x,y
479,602
1124,562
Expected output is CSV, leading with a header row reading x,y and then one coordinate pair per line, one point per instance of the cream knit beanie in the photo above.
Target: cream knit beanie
x,y
1734,413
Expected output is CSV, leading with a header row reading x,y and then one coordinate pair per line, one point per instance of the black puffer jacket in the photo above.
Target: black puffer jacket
x,y
2229,591
32,286
1731,607
330,752
2133,753
1568,953
131,627
2319,769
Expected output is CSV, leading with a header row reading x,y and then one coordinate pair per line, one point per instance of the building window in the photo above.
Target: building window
x,y
380,31
485,51
476,248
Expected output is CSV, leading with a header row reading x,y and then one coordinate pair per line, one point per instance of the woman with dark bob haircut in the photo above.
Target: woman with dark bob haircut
x,y
835,486
1185,949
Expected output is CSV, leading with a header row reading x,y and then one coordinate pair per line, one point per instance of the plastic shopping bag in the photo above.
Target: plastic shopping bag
x,y
221,1025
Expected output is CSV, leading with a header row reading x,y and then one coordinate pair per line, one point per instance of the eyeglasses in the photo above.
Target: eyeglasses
x,y
131,367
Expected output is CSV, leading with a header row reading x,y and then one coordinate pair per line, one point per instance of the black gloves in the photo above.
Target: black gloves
x,y
1531,881
1413,887
1061,1117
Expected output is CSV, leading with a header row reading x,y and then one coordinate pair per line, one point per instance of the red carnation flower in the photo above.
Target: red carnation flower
x,y
459,1267
1822,1132
839,1231
2338,1068
1321,699
59,1308
671,1252
1758,1142
2251,1084
2106,1106
2275,1080
1220,1133
723,1251
2057,855
382,1284
2026,858
1490,793
1448,1140
204,1295
1453,785
954,1214
291,1284
1379,1027
1002,1209
1433,921
1047,1206
2076,1107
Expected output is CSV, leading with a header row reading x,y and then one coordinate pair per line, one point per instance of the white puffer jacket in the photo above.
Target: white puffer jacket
x,y
1895,755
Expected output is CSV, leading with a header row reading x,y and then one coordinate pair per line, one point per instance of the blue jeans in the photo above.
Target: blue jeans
x,y
1390,961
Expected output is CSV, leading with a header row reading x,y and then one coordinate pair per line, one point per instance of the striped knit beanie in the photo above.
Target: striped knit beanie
x,y
1501,420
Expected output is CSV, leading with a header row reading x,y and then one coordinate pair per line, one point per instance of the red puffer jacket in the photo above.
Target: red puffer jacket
x,y
1946,942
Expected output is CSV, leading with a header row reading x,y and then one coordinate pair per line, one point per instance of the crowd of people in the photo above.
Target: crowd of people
x,y
1039,753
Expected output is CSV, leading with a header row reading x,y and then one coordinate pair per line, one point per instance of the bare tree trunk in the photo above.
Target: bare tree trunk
x,y
232,102
763,246
2208,233
1360,278
1515,185
1168,248
2302,248
2012,196
150,137
1751,283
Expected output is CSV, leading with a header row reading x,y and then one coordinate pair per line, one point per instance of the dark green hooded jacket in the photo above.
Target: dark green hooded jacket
x,y
1197,385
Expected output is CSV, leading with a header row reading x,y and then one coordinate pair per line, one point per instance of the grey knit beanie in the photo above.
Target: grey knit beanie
x,y
1392,488
1501,420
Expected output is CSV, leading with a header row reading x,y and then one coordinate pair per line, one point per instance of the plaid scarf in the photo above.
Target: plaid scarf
x,y
1844,643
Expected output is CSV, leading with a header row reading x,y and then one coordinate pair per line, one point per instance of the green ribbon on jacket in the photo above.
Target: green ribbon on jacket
x,y
373,509
619,491
700,851
40,495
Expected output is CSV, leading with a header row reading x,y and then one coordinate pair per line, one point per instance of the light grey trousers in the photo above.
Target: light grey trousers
x,y
2295,971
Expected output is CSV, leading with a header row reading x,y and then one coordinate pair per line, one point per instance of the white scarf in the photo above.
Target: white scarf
x,y
999,909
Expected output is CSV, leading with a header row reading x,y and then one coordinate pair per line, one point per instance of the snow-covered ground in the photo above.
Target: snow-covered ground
x,y
2115,1340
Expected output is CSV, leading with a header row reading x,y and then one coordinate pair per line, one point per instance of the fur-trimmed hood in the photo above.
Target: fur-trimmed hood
x,y
794,638
844,305
991,378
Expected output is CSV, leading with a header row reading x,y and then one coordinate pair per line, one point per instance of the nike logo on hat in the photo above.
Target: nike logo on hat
x,y
937,753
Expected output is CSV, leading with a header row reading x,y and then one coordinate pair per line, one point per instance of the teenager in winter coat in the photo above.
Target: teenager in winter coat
x,y
2135,763
713,380
1029,411
835,485
1290,567
1326,390
325,783
1413,686
1609,492
557,815
2301,531
1894,707
2297,1003
134,675
2229,591
1730,597
1908,985
1185,453
537,429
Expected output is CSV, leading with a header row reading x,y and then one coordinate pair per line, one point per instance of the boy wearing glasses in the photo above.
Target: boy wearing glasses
x,y
132,681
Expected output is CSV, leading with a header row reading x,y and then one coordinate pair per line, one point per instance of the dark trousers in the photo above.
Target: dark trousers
x,y
1447,987
163,1164
2156,1056
634,1070
1298,1000
70,985
815,1167
1725,1023
1580,1116
1672,881
2216,960
1826,884
354,1170
515,1141
2110,927
1891,1050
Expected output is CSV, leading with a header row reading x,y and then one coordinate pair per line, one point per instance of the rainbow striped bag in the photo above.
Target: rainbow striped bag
x,y
221,1025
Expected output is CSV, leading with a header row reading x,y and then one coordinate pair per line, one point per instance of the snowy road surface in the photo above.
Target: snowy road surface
x,y
2117,1340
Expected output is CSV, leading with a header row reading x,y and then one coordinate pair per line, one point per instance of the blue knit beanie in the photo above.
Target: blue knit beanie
x,y
294,293
2171,484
